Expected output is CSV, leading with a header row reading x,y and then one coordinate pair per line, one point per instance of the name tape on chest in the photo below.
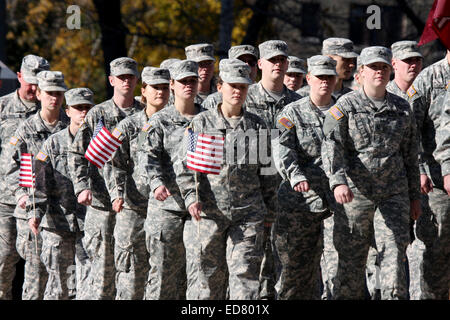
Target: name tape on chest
x,y
41,156
411,91
286,122
336,113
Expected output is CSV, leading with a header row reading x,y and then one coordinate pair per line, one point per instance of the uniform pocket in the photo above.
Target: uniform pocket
x,y
92,243
123,256
50,254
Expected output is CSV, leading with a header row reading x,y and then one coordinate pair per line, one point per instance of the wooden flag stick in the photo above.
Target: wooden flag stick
x,y
196,196
34,210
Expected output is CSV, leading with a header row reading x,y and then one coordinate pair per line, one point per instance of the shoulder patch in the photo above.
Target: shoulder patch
x,y
411,91
146,127
286,122
41,156
116,133
448,85
335,112
13,140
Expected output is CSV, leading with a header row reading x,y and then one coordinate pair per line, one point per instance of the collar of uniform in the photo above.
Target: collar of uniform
x,y
19,102
116,110
264,92
41,127
316,110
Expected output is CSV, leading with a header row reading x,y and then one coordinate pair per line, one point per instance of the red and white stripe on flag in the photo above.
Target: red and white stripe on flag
x,y
26,174
102,147
204,152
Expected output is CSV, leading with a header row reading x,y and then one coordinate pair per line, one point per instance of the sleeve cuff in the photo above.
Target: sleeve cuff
x,y
190,199
445,168
337,180
155,184
296,179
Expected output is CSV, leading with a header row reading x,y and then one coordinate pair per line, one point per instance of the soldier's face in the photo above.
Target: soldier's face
x,y
344,66
185,88
205,71
252,63
156,95
321,85
50,100
27,91
407,69
123,84
234,94
293,80
77,113
376,74
274,68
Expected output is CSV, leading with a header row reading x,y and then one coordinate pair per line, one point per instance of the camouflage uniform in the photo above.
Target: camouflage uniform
x,y
381,169
12,112
298,228
235,203
261,103
442,152
165,219
433,227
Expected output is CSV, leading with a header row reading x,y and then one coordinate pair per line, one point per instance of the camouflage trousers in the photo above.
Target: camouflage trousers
x,y
82,269
388,222
164,240
130,255
8,253
298,241
35,274
62,264
267,272
98,241
212,247
329,259
432,256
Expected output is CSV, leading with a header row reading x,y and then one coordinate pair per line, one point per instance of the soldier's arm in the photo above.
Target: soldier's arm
x,y
442,152
410,151
266,177
333,146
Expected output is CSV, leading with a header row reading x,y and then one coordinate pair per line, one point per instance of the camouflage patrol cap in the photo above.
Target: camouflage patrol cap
x,y
123,65
31,66
234,71
273,48
358,62
165,64
375,54
79,96
152,75
183,69
51,81
338,46
321,65
200,52
405,49
296,65
236,51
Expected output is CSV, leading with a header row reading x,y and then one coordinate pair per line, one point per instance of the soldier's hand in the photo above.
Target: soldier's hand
x,y
415,209
22,201
302,186
162,193
34,224
425,184
85,197
117,205
343,194
195,209
447,183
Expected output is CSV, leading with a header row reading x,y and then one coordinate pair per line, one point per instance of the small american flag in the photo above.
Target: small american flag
x,y
102,146
26,174
204,152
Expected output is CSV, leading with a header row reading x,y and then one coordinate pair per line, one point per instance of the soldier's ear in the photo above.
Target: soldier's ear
x,y
111,80
260,64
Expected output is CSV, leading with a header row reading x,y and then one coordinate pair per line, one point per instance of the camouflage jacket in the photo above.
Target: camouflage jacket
x,y
84,174
426,96
260,102
121,175
28,138
12,112
240,190
299,157
442,153
392,87
56,203
212,101
372,150
158,153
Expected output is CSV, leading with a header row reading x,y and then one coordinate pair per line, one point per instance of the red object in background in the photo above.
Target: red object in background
x,y
438,24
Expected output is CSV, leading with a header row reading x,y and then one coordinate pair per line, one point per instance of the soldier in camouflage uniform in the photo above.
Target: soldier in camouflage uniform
x,y
203,54
442,153
58,214
28,138
14,108
245,53
426,96
304,196
88,181
370,155
293,79
166,214
131,209
266,99
226,230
